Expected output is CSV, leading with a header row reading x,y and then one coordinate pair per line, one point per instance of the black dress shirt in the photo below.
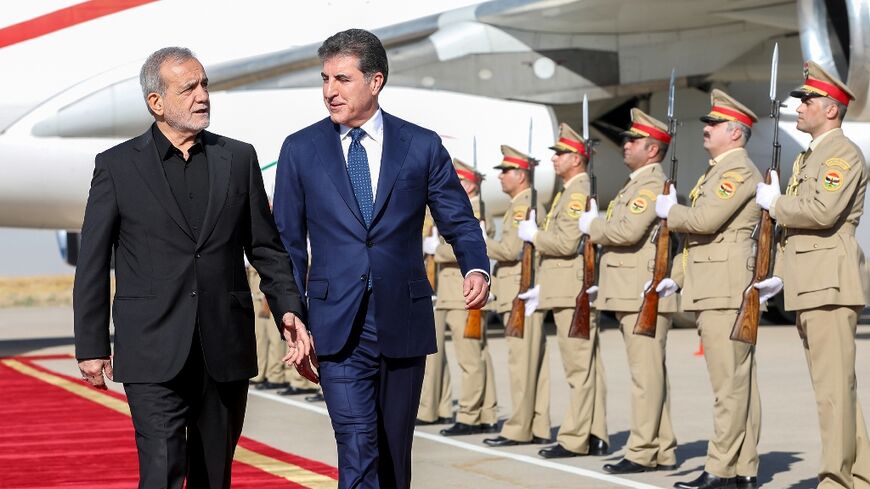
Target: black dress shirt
x,y
188,179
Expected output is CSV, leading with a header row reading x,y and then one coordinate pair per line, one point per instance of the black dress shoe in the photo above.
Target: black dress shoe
x,y
707,481
489,427
271,385
597,446
501,441
460,429
254,382
438,420
626,466
557,451
746,482
315,398
294,391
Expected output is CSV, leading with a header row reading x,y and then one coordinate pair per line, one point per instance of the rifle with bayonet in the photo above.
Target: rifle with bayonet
x,y
517,319
649,309
746,325
474,320
582,306
429,260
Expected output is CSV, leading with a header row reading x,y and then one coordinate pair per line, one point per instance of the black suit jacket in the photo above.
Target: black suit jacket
x,y
166,280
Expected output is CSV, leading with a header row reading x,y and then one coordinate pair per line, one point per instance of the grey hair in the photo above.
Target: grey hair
x,y
149,76
841,108
745,131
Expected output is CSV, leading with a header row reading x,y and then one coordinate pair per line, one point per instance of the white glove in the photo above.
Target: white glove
x,y
430,243
587,217
491,298
665,202
766,194
531,297
768,288
528,228
483,230
593,293
665,288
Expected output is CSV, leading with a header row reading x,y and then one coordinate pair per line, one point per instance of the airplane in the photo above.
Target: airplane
x,y
500,72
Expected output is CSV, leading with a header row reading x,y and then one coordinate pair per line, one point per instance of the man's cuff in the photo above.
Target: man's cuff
x,y
771,210
481,271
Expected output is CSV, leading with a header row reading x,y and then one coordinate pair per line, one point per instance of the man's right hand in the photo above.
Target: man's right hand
x,y
92,371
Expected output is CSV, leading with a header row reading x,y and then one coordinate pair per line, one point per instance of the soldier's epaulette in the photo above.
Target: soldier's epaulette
x,y
646,193
734,176
837,162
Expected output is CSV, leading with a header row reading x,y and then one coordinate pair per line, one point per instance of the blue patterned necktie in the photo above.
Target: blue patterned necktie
x,y
360,176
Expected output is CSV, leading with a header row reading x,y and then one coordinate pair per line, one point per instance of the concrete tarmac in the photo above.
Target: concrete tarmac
x,y
789,448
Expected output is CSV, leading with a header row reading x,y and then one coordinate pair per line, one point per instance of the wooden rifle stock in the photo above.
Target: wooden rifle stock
x,y
430,270
473,325
582,308
517,319
746,325
649,309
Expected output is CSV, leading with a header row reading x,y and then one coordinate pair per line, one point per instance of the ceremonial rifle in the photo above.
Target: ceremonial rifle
x,y
474,320
429,260
582,306
517,319
746,325
649,309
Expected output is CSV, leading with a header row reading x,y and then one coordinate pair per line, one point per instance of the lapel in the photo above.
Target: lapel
x,y
329,152
219,159
396,144
147,163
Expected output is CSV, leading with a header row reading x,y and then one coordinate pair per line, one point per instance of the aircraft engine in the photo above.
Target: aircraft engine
x,y
836,34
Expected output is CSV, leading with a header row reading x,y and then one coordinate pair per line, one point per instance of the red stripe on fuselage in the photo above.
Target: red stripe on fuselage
x,y
63,18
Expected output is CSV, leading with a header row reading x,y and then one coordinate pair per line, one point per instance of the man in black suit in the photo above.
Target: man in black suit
x,y
179,206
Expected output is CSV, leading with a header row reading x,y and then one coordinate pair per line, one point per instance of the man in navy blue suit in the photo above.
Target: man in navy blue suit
x,y
356,184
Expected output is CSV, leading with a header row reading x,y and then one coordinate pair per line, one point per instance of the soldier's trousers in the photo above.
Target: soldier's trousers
x,y
651,440
477,396
733,450
270,350
828,335
584,370
528,366
436,400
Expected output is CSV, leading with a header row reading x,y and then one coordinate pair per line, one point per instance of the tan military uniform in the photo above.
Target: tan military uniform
x,y
436,398
270,347
821,265
477,397
714,270
527,356
626,264
561,278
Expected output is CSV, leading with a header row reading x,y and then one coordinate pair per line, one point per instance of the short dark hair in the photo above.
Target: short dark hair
x,y
663,147
362,44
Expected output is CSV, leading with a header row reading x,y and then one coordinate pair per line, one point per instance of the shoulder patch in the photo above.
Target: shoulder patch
x,y
575,207
726,188
647,193
638,205
838,162
519,214
832,180
733,175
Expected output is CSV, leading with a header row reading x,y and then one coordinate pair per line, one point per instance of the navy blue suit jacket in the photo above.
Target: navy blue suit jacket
x,y
314,199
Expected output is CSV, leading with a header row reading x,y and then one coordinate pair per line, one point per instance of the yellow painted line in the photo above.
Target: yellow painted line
x,y
278,468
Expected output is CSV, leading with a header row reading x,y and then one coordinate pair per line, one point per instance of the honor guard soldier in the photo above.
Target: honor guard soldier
x,y
529,421
626,265
270,348
822,264
478,408
436,398
584,427
713,270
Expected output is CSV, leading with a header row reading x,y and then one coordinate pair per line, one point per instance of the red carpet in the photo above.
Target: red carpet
x,y
51,438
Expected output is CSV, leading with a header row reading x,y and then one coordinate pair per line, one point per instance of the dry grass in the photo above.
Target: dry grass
x,y
36,291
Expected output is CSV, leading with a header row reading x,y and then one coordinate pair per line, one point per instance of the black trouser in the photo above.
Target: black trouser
x,y
187,427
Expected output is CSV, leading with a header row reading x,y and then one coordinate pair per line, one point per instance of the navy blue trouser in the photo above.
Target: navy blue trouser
x,y
372,402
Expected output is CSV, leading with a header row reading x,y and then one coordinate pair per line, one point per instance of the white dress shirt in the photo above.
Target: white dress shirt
x,y
373,142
